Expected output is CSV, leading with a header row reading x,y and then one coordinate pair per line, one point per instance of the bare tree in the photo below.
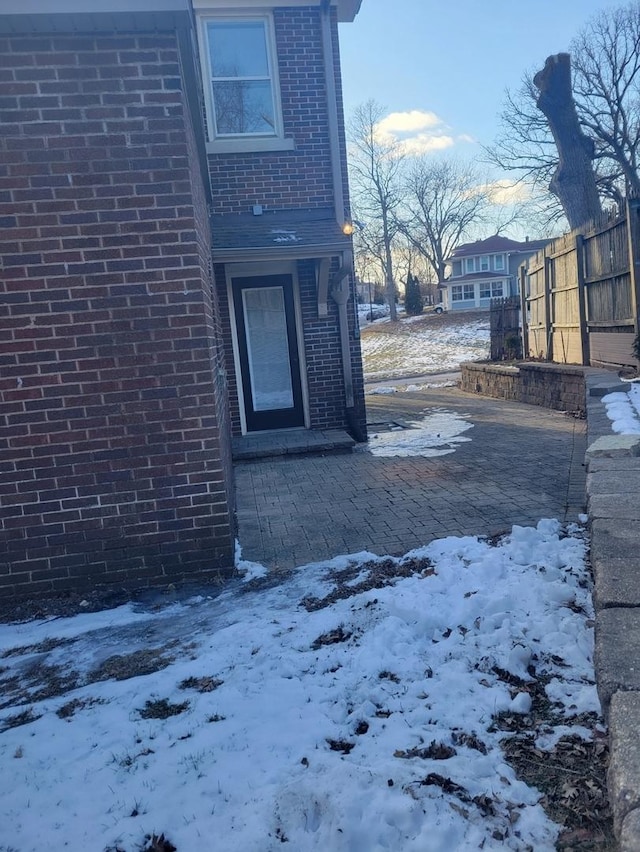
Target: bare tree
x,y
443,200
606,90
606,60
375,162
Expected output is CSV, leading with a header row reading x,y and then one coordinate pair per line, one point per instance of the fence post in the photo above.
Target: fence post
x,y
582,302
634,258
547,307
523,311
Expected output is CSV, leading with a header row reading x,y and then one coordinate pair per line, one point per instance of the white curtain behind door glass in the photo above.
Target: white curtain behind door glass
x,y
267,348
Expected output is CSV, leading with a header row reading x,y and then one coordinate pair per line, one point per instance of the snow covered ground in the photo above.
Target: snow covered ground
x,y
321,713
359,705
415,346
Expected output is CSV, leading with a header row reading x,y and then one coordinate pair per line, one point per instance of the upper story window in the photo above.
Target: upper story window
x,y
498,261
470,264
484,263
241,78
241,84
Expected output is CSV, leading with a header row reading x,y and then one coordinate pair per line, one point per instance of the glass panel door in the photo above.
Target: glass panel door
x,y
269,364
267,348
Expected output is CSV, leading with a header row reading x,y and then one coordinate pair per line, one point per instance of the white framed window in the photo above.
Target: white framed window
x,y
470,264
463,293
242,93
498,261
484,263
491,289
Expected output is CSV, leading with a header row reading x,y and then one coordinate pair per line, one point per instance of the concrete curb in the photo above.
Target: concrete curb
x,y
613,486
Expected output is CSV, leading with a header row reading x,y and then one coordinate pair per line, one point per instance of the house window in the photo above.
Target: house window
x,y
462,293
498,261
484,263
457,268
470,264
241,83
491,290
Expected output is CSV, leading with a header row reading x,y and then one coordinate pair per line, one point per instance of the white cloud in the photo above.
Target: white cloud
x,y
397,123
423,143
417,132
506,191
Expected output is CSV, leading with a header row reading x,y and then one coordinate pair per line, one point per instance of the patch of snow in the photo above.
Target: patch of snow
x,y
383,390
623,409
306,742
425,349
436,434
249,570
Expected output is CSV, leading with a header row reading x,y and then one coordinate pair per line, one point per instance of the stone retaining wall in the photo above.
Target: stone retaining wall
x,y
558,386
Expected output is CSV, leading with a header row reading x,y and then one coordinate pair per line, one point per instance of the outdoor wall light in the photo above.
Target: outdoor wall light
x,y
348,228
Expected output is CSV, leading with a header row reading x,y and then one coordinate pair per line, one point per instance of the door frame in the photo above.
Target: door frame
x,y
252,270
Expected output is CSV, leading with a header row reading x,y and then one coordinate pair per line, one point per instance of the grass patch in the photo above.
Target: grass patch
x,y
572,779
66,711
201,684
17,719
39,648
162,708
125,666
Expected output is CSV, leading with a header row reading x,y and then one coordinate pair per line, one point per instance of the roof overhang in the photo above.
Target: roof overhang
x,y
248,254
62,7
346,9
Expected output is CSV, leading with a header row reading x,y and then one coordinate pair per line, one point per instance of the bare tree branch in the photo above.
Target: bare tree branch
x,y
605,58
375,162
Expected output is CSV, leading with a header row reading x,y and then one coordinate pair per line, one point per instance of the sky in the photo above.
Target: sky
x,y
441,67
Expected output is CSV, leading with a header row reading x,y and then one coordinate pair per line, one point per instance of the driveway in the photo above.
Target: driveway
x,y
522,463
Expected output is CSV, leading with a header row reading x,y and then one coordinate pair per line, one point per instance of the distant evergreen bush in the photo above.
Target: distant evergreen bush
x,y
413,301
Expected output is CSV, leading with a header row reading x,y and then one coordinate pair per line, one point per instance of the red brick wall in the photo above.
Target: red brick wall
x,y
113,466
297,179
286,179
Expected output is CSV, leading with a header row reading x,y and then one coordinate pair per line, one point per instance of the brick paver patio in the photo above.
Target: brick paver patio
x,y
522,463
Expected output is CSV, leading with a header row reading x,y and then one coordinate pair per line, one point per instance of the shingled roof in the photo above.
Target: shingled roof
x,y
290,233
497,245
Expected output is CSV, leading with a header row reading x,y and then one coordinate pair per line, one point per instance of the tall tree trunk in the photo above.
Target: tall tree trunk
x,y
390,287
574,181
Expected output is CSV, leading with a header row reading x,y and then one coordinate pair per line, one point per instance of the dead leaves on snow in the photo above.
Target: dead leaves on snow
x,y
572,779
375,574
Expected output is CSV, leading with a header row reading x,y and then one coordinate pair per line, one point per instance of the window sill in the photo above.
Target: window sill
x,y
249,146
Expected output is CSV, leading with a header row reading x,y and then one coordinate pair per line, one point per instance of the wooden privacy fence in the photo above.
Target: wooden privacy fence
x,y
580,294
504,319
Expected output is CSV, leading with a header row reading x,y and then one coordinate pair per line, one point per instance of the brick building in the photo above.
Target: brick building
x,y
174,271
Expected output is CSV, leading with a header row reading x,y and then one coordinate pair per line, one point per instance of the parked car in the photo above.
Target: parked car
x,y
378,312
433,309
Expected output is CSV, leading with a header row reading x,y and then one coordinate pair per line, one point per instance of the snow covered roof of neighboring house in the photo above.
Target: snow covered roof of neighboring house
x,y
497,245
290,233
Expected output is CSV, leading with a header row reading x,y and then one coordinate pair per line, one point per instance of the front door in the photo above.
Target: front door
x,y
268,349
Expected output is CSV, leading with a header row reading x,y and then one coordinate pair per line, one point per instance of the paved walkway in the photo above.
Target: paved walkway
x,y
522,463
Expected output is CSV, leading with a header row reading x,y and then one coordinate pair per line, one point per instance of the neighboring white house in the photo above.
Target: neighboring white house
x,y
485,270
